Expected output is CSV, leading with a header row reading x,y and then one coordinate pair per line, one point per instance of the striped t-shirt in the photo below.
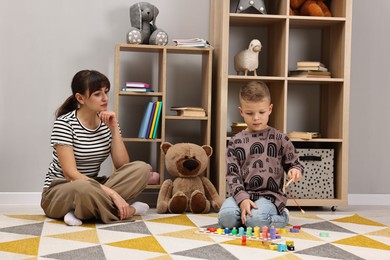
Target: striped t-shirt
x,y
90,147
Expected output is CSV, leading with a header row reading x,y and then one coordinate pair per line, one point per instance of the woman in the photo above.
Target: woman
x,y
83,136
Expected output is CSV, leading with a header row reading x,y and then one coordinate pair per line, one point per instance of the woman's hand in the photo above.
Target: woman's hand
x,y
125,211
246,206
109,118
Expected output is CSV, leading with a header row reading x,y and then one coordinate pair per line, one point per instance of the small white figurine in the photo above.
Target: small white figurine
x,y
248,60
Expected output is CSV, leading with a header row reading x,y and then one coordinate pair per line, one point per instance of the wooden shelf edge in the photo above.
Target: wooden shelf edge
x,y
151,140
153,187
146,94
314,140
159,48
186,118
242,78
318,202
319,140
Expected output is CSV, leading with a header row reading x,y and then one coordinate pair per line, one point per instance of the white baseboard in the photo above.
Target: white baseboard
x,y
34,198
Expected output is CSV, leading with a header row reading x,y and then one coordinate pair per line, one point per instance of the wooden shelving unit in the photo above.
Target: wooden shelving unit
x,y
300,104
156,65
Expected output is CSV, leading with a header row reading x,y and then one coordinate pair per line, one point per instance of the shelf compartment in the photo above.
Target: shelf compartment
x,y
340,168
273,53
277,90
326,44
131,112
308,22
187,131
316,108
145,151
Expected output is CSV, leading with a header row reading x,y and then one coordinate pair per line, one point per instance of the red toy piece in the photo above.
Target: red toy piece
x,y
243,240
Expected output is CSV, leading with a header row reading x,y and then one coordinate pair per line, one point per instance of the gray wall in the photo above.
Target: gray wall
x,y
370,94
43,43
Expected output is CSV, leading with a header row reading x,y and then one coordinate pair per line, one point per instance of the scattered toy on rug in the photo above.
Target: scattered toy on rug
x,y
269,237
189,191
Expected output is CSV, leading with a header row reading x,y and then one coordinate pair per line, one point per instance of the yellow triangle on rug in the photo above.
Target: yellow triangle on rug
x,y
89,236
362,241
189,234
29,217
356,219
147,243
176,220
28,246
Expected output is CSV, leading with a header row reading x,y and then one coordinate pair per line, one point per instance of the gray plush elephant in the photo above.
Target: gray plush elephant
x,y
143,21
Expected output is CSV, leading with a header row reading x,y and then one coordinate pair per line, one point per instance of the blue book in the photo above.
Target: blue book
x,y
157,119
150,120
145,121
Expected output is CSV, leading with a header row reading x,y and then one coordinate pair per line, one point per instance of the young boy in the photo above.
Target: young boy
x,y
257,158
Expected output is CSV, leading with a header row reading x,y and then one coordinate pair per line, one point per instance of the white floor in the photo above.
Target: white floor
x,y
377,213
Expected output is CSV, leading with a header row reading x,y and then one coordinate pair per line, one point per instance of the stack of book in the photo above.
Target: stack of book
x,y
238,127
192,42
304,135
189,111
137,87
151,120
310,69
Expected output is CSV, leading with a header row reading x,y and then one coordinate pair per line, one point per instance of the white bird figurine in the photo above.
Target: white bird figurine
x,y
248,60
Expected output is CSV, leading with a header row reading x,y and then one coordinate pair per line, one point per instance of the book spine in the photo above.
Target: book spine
x,y
150,120
137,85
145,121
154,119
136,89
157,120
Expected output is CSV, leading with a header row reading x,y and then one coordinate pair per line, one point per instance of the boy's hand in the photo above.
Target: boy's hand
x,y
246,206
294,174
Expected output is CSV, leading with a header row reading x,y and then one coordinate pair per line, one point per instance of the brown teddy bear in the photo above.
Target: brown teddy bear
x,y
189,191
309,8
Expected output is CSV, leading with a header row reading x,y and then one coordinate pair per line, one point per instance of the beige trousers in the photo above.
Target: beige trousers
x,y
87,198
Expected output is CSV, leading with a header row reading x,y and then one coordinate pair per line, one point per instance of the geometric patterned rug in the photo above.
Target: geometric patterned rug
x,y
170,236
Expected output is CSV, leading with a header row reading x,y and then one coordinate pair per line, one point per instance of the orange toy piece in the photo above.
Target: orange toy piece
x,y
309,8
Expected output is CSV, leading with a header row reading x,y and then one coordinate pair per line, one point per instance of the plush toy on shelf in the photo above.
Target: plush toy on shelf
x,y
189,191
143,21
248,60
257,5
309,8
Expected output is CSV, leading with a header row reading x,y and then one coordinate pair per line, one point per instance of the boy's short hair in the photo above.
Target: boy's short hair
x,y
255,91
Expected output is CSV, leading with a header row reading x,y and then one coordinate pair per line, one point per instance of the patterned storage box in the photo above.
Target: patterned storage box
x,y
317,181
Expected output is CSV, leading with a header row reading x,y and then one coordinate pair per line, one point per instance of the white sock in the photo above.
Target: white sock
x,y
140,208
71,220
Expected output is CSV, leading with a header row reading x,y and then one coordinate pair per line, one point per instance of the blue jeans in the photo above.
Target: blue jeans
x,y
229,215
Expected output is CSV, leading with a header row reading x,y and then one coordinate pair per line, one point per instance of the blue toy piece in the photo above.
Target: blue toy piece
x,y
282,248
